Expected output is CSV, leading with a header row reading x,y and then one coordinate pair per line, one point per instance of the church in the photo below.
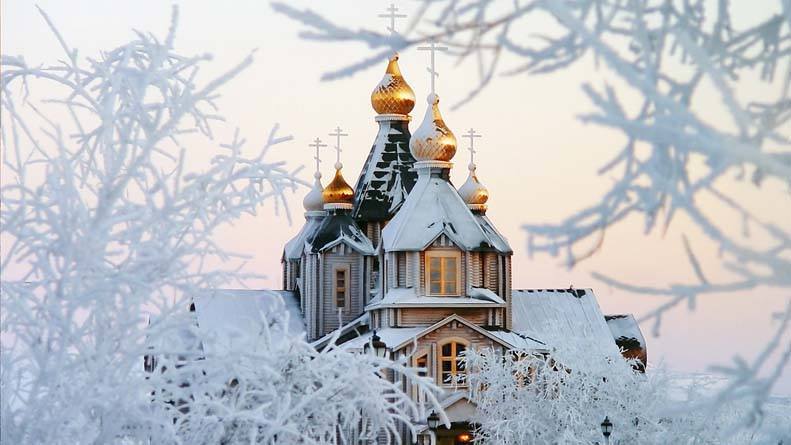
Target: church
x,y
408,262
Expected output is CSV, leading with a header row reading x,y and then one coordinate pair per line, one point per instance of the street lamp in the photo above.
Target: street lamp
x,y
606,429
379,347
433,420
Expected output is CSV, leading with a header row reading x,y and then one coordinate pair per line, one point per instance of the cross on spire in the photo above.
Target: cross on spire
x,y
433,48
472,134
338,133
317,145
392,16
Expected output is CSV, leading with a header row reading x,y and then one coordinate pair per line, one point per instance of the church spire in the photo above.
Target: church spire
x,y
472,191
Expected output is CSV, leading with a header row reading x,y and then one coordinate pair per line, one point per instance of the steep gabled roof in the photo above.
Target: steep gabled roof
x,y
294,247
387,176
432,208
339,228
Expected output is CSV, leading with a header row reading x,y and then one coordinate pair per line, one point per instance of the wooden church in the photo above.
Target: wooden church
x,y
408,260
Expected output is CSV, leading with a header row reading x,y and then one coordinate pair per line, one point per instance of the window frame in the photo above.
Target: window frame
x,y
443,254
346,288
454,341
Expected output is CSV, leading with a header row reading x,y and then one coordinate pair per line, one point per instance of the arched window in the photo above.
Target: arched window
x,y
451,369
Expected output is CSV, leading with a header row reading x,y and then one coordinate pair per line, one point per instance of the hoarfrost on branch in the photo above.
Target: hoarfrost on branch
x,y
107,232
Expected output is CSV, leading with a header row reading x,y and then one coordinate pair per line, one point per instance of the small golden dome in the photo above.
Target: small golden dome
x,y
433,140
393,95
338,191
472,191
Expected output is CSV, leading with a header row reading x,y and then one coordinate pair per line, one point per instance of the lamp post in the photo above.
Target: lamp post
x,y
606,430
433,424
377,346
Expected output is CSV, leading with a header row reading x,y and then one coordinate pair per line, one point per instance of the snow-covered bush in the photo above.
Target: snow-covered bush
x,y
107,231
276,388
680,59
563,397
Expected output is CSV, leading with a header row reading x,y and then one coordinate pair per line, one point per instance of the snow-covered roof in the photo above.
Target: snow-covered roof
x,y
338,228
357,326
624,328
434,207
294,248
407,296
227,316
561,315
519,340
379,193
498,240
391,337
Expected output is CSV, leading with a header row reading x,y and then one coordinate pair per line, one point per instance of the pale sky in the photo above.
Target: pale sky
x,y
537,160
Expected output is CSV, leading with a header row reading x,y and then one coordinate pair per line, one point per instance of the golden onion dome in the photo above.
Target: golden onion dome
x,y
338,191
433,140
314,200
393,95
472,191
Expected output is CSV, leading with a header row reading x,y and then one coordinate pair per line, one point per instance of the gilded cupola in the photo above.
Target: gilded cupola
x,y
393,95
473,192
338,193
433,140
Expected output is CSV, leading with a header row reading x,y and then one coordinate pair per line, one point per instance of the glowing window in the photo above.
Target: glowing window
x,y
442,273
451,369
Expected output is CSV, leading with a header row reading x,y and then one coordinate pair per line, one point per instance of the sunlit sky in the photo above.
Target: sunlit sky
x,y
537,159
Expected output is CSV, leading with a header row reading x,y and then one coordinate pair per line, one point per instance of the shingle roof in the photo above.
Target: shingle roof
x,y
379,192
336,228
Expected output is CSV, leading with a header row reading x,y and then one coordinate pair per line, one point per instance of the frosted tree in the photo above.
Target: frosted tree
x,y
562,397
677,161
107,231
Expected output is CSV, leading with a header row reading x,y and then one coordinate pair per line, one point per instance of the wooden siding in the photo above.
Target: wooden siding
x,y
430,315
429,344
340,256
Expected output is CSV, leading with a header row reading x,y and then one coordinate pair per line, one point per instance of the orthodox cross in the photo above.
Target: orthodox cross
x,y
433,48
317,144
472,134
338,133
392,16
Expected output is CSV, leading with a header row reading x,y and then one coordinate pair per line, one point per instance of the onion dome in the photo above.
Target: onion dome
x,y
473,192
433,140
314,201
393,95
338,191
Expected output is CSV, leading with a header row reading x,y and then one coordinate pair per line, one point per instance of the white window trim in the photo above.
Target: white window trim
x,y
443,254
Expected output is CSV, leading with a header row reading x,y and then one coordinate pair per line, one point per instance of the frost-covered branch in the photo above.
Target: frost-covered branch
x,y
107,224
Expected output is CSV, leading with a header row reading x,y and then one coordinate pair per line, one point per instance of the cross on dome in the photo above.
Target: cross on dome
x,y
338,133
433,48
317,145
392,16
472,134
